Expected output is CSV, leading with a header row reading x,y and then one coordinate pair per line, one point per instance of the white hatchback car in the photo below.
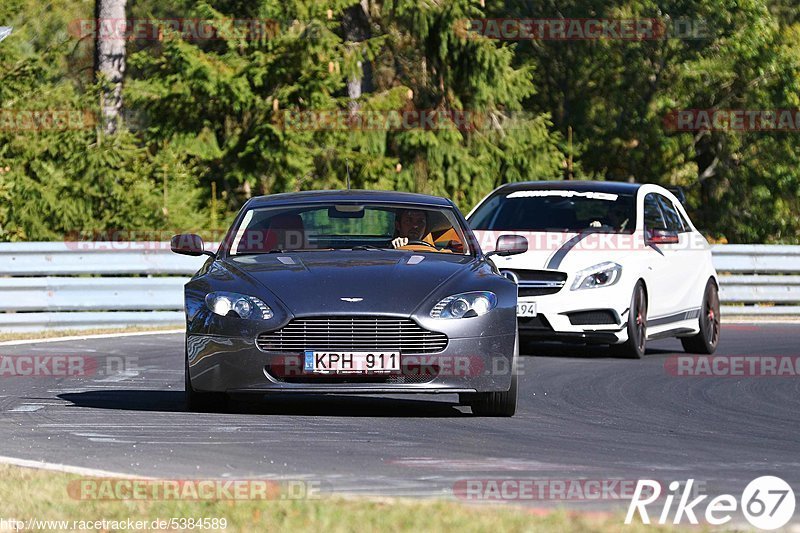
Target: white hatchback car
x,y
607,263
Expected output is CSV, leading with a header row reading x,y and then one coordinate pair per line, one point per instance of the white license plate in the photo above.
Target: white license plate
x,y
356,362
526,308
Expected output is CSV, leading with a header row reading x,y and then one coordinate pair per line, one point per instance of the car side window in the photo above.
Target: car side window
x,y
686,226
653,218
671,216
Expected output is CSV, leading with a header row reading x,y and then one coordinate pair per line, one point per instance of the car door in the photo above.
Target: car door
x,y
663,285
688,258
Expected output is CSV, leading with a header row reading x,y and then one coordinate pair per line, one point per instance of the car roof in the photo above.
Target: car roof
x,y
616,187
354,195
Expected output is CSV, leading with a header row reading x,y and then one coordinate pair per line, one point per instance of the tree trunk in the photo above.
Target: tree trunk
x,y
109,60
356,26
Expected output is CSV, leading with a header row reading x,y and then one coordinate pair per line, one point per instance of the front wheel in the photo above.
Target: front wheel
x,y
705,342
634,347
203,402
496,403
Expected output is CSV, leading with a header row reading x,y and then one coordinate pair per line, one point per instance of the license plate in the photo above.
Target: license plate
x,y
526,308
351,362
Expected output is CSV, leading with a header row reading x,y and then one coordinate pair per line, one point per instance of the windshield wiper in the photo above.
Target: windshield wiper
x,y
253,252
364,247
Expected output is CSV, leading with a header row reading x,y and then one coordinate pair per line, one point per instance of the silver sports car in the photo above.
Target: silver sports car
x,y
351,292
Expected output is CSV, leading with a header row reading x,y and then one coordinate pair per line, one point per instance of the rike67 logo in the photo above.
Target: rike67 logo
x,y
767,503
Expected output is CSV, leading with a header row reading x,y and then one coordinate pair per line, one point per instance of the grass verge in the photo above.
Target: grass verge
x,y
27,493
50,334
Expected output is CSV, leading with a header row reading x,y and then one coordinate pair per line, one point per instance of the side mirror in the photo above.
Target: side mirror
x,y
188,244
509,245
660,236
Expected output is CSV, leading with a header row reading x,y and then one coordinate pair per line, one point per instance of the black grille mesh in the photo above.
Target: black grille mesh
x,y
585,318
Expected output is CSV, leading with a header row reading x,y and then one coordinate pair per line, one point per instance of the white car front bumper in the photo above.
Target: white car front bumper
x,y
586,315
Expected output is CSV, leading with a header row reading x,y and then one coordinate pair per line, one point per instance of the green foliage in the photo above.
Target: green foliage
x,y
615,95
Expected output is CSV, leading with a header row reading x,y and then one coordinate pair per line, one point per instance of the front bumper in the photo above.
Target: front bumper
x,y
235,365
567,315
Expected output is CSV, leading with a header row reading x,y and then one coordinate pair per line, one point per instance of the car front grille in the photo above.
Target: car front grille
x,y
534,323
536,282
352,334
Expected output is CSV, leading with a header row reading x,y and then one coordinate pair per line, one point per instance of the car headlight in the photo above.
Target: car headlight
x,y
235,305
465,305
602,275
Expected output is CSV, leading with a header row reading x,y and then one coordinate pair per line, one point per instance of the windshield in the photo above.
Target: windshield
x,y
361,226
556,210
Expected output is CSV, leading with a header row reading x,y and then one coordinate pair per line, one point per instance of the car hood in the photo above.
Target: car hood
x,y
313,283
566,252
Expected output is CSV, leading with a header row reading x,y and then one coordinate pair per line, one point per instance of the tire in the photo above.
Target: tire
x,y
203,402
496,403
705,342
634,347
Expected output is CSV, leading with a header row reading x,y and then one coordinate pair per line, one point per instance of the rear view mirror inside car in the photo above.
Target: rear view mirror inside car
x,y
346,211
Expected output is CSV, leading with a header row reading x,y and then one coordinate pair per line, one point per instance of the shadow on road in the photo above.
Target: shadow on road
x,y
274,404
581,351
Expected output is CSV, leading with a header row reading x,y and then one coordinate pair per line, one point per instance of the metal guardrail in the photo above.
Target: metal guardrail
x,y
55,285
93,258
758,279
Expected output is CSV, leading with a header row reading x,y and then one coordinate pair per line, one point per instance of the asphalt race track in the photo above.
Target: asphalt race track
x,y
582,414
